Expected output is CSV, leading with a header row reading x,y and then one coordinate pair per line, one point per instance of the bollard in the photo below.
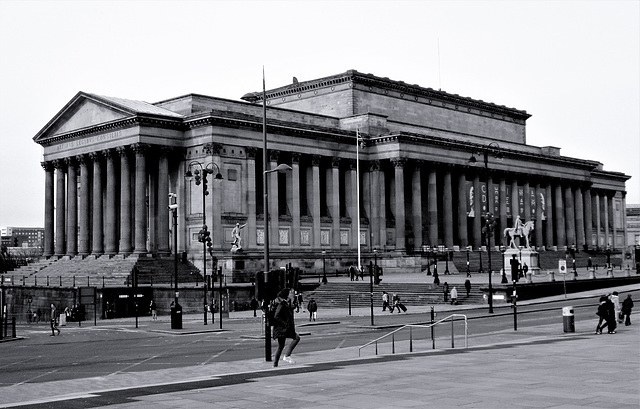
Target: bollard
x,y
592,274
551,276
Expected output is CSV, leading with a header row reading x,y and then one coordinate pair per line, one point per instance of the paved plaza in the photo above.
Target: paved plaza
x,y
536,367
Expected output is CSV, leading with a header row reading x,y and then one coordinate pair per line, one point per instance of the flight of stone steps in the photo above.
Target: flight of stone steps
x,y
336,295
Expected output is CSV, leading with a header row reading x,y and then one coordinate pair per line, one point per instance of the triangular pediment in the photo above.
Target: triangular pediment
x,y
85,111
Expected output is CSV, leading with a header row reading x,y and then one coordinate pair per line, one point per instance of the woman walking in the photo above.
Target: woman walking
x,y
284,327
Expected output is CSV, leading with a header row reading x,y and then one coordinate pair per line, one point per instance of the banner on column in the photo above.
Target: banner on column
x,y
521,200
472,197
495,208
484,204
507,200
543,206
532,202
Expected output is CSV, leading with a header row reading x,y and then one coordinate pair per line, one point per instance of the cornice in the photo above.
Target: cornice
x,y
428,95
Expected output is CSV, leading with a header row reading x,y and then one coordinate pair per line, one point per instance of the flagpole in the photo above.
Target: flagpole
x,y
358,194
265,204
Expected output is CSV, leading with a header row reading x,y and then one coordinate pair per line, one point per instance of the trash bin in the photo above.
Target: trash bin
x,y
568,319
176,317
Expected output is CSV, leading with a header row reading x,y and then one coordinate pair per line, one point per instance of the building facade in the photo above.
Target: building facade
x,y
22,236
397,155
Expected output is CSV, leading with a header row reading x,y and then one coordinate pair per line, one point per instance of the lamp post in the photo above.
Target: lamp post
x,y
503,249
468,271
324,270
199,173
446,259
176,312
375,266
494,149
359,144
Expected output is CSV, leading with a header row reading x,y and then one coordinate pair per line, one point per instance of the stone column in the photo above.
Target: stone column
x,y
274,197
48,209
399,205
140,210
538,224
477,210
84,216
97,242
215,187
60,208
527,204
598,213
315,202
502,187
605,200
624,220
614,222
588,218
375,204
164,222
335,202
352,202
579,203
490,208
383,205
463,237
570,216
416,204
110,225
295,200
559,215
72,205
252,198
432,204
124,247
515,209
447,208
549,216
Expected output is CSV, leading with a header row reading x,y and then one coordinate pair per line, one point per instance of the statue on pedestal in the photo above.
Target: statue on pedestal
x,y
521,230
236,246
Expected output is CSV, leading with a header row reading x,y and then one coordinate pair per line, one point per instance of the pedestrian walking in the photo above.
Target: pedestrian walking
x,y
467,286
352,273
627,306
361,273
254,306
454,296
284,327
154,310
397,304
445,291
615,299
606,313
394,297
385,301
300,302
312,307
54,321
436,279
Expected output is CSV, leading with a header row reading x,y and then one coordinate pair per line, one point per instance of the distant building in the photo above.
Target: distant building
x,y
22,236
428,167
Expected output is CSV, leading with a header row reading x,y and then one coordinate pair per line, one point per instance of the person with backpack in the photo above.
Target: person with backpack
x,y
284,327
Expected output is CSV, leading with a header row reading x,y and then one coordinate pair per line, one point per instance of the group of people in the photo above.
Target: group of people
x,y
611,312
396,303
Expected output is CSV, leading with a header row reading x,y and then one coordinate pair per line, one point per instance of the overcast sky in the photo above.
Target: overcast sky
x,y
574,66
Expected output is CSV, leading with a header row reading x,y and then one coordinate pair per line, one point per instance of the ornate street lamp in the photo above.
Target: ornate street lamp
x,y
494,149
199,171
176,311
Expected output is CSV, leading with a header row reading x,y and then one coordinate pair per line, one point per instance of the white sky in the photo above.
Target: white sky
x,y
574,66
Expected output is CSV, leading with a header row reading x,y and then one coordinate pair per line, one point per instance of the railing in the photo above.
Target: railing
x,y
393,333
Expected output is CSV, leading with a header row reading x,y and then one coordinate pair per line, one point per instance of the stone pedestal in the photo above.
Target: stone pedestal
x,y
525,256
235,266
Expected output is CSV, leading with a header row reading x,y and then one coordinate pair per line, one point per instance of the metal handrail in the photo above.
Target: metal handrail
x,y
411,326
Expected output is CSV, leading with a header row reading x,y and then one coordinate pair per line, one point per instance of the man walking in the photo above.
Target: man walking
x,y
54,322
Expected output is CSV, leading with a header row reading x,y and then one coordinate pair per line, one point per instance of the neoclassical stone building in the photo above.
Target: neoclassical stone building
x,y
109,164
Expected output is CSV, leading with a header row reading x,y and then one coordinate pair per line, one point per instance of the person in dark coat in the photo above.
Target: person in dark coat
x,y
627,306
313,309
254,306
284,327
445,291
467,286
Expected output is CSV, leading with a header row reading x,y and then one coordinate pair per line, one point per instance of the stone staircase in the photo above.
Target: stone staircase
x,y
103,271
336,295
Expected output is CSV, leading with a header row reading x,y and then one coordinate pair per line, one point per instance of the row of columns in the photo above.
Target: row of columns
x,y
91,220
570,221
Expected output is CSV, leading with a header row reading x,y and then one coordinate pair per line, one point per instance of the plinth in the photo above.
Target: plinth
x,y
524,256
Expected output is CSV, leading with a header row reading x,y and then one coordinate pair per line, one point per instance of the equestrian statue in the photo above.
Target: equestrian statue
x,y
521,230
